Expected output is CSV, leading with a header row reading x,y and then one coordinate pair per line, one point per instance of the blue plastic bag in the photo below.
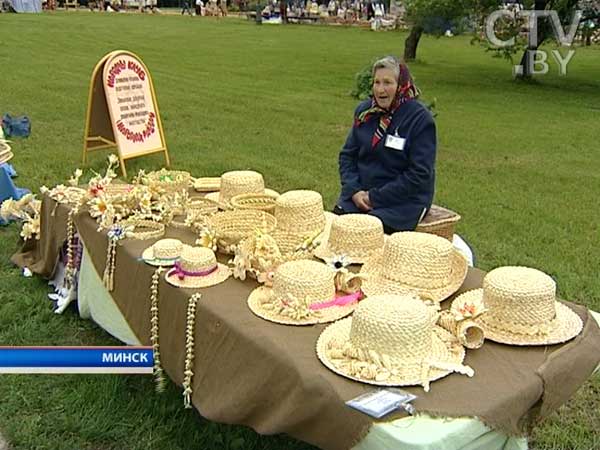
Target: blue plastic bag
x,y
16,126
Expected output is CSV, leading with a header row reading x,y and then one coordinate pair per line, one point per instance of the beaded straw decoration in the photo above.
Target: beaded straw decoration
x,y
159,377
303,293
357,236
391,340
420,263
116,233
522,308
189,350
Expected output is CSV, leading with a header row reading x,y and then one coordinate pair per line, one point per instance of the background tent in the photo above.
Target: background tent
x,y
26,6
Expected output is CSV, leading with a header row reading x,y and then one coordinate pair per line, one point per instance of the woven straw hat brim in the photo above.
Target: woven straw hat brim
x,y
6,156
324,252
148,258
567,325
377,284
214,196
327,315
444,349
218,276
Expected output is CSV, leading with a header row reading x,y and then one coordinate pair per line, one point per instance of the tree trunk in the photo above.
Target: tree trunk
x,y
543,31
411,43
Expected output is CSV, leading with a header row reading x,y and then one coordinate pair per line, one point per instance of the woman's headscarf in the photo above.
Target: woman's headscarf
x,y
406,91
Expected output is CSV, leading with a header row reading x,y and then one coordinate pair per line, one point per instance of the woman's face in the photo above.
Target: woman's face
x,y
384,87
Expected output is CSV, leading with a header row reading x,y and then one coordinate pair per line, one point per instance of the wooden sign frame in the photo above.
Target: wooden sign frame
x,y
100,127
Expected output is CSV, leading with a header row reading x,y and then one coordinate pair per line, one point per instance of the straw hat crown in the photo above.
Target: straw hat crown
x,y
197,259
398,326
300,211
167,248
520,295
304,279
357,236
240,182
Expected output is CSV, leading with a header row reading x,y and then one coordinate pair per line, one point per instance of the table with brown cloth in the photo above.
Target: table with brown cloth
x,y
267,376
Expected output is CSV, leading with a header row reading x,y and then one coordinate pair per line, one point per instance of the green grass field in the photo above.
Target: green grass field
x,y
518,161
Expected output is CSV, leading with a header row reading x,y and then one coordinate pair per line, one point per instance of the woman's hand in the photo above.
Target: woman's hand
x,y
362,202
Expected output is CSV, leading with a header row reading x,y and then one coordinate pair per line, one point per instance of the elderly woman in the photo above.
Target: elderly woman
x,y
387,165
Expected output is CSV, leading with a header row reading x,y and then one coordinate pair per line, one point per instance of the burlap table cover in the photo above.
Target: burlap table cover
x,y
252,372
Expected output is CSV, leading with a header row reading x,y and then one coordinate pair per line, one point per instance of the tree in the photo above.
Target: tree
x,y
433,17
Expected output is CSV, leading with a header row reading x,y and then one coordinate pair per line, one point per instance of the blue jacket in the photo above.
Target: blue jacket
x,y
400,182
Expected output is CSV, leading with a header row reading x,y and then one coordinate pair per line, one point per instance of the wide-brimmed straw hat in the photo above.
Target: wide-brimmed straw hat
x,y
239,182
357,236
391,340
303,293
163,252
522,308
197,268
420,263
300,216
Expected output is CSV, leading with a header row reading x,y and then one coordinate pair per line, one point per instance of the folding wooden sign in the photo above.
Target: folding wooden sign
x,y
122,110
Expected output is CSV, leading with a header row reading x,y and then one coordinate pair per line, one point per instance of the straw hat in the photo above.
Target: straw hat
x,y
300,216
303,293
391,340
522,308
357,236
163,253
239,182
197,268
421,263
5,152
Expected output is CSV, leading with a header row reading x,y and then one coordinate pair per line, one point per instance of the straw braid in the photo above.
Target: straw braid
x,y
189,350
71,269
159,377
108,279
157,229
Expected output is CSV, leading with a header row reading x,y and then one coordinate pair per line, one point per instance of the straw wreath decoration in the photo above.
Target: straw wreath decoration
x,y
189,350
159,377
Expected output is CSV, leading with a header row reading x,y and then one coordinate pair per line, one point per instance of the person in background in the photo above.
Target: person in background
x,y
387,165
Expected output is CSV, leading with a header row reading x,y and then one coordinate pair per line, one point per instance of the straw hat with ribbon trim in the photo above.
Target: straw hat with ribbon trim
x,y
391,340
303,293
420,263
357,236
163,252
239,182
197,268
300,218
522,308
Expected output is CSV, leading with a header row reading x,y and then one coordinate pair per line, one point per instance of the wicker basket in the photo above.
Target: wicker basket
x,y
233,226
203,205
261,202
207,184
169,180
439,221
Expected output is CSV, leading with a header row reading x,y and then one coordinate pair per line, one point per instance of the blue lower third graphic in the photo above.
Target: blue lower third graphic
x,y
76,360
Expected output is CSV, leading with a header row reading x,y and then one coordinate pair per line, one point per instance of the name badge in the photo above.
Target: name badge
x,y
395,142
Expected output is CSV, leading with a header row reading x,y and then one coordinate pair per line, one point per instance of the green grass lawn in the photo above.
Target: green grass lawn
x,y
518,161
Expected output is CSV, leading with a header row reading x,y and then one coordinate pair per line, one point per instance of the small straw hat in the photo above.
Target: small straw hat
x,y
391,340
522,308
197,268
300,216
420,263
303,293
163,252
239,182
357,236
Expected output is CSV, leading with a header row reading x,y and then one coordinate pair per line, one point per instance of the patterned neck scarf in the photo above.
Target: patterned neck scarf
x,y
406,91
